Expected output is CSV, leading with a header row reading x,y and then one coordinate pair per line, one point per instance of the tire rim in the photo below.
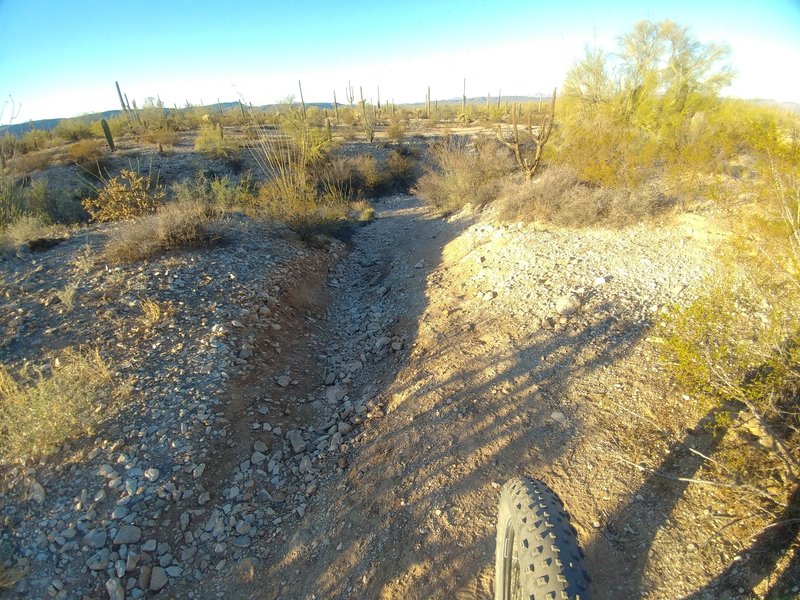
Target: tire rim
x,y
511,576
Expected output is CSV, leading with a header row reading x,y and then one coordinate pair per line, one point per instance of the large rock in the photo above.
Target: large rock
x,y
296,440
99,560
96,538
128,534
158,579
36,491
334,394
115,589
568,305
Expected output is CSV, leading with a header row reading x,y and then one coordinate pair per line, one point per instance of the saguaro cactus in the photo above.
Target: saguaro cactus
x,y
107,132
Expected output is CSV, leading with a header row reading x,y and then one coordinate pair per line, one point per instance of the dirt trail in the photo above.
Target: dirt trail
x,y
483,372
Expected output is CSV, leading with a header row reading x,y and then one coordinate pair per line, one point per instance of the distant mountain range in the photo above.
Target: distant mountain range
x,y
49,124
20,129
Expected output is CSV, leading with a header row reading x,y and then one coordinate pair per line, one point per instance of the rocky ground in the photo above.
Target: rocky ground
x,y
336,423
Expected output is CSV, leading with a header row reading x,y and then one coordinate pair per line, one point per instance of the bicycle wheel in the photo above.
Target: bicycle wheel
x,y
536,554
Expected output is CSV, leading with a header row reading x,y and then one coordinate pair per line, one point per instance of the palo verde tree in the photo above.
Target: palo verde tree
x,y
631,105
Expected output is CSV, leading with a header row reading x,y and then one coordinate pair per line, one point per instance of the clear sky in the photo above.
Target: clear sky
x,y
60,58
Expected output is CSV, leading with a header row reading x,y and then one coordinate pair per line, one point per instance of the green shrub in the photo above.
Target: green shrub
x,y
35,139
211,141
222,192
28,213
625,115
73,130
128,195
738,345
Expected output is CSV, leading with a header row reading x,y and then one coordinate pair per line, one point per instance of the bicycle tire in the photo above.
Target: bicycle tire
x,y
537,555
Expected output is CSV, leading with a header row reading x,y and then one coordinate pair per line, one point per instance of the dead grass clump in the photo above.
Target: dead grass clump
x,y
395,131
26,228
66,295
466,173
86,154
153,312
362,211
39,412
174,226
128,195
32,161
559,197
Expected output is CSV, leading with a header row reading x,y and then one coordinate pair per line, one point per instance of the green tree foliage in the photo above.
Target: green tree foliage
x,y
643,104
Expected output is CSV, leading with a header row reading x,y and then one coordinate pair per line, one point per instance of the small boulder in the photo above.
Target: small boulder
x,y
128,534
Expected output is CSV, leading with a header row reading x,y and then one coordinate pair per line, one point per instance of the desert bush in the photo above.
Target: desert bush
x,y
465,173
223,192
737,349
86,154
368,177
12,204
395,130
41,410
26,228
212,142
30,212
402,165
10,146
174,226
628,113
73,130
365,174
32,161
125,196
606,152
737,346
315,116
35,139
161,137
118,125
300,188
52,205
559,197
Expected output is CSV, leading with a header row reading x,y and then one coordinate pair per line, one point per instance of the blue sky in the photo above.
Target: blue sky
x,y
61,58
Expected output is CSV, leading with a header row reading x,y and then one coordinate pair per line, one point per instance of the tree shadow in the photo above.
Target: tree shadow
x,y
498,412
633,538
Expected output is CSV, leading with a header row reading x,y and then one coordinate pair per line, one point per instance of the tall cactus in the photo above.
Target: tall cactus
x,y
121,100
107,132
